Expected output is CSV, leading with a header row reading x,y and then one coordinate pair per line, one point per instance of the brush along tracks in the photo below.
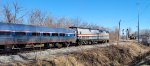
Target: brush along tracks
x,y
25,57
85,55
142,59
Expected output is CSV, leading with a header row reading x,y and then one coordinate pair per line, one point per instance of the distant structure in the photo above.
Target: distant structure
x,y
127,34
123,36
130,36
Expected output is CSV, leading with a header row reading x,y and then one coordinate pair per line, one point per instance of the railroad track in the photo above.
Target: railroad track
x,y
25,50
16,51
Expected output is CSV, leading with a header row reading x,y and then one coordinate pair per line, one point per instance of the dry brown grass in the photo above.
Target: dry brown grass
x,y
109,56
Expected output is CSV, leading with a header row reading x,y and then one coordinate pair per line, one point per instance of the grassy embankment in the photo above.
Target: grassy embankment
x,y
117,55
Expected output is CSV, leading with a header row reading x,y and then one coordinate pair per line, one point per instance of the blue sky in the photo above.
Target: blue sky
x,y
105,13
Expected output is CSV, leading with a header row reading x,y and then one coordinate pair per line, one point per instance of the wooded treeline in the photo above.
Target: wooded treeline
x,y
17,14
14,13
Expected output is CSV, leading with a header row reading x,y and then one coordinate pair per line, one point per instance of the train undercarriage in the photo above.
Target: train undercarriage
x,y
9,47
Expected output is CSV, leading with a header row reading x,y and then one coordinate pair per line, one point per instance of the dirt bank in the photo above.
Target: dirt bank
x,y
116,55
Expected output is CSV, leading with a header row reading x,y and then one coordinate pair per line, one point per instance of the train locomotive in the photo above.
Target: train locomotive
x,y
91,36
19,35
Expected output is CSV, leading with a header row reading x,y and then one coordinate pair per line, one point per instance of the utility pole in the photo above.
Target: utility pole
x,y
138,23
138,30
119,33
127,34
123,34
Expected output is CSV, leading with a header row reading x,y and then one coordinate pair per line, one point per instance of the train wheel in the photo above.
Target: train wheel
x,y
46,45
89,42
58,45
107,41
77,44
104,41
86,42
93,42
66,44
8,48
51,45
80,43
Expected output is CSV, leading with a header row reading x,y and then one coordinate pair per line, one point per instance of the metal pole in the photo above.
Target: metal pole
x,y
119,32
127,34
123,34
138,29
138,23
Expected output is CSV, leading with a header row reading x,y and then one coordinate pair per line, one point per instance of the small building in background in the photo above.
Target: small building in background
x,y
145,39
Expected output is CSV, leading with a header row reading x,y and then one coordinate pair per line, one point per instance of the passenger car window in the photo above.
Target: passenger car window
x,y
35,34
20,33
61,34
54,34
46,34
100,31
107,31
5,33
80,32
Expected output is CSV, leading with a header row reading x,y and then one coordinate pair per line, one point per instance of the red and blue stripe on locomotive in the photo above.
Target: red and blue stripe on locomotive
x,y
91,36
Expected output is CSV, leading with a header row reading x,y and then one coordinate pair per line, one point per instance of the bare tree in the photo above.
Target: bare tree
x,y
12,15
69,23
145,32
17,10
94,26
64,22
37,18
113,34
49,22
60,22
7,14
76,22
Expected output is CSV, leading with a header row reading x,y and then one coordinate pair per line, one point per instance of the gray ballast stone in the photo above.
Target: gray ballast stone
x,y
24,57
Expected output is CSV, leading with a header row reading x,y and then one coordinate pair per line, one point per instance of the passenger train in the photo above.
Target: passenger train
x,y
19,35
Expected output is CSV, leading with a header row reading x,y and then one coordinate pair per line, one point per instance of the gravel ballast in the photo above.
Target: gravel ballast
x,y
24,57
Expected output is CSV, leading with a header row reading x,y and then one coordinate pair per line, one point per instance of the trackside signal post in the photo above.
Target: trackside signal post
x,y
118,33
